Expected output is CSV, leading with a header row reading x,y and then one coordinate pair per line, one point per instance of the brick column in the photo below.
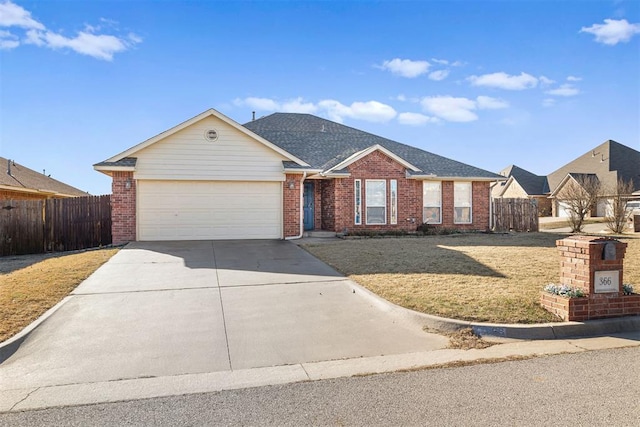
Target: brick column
x,y
582,256
585,260
123,208
291,208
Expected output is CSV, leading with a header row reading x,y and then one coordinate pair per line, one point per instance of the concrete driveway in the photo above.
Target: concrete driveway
x,y
171,308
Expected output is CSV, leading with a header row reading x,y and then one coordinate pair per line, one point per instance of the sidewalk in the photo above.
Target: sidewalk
x,y
112,391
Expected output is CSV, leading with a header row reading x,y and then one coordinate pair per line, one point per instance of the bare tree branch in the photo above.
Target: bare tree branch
x,y
618,215
580,194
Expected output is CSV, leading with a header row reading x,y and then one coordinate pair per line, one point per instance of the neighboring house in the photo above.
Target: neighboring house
x,y
18,182
522,184
609,162
212,178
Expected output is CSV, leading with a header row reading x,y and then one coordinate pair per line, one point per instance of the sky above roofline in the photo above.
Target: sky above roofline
x,y
487,83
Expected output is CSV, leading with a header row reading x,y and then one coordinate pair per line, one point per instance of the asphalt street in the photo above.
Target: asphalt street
x,y
595,388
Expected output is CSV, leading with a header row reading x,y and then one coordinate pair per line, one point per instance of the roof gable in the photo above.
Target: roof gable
x,y
115,161
361,154
533,185
325,144
572,177
17,177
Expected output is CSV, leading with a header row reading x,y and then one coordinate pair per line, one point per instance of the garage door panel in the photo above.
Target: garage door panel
x,y
203,210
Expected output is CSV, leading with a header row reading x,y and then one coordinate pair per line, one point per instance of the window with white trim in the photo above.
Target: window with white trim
x,y
376,201
432,202
462,203
357,193
393,205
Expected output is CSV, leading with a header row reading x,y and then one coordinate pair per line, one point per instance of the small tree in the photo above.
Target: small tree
x,y
580,194
618,216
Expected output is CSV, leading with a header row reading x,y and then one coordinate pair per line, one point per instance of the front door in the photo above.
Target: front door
x,y
308,206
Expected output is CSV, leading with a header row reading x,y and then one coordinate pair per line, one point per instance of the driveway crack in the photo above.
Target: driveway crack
x,y
224,319
24,398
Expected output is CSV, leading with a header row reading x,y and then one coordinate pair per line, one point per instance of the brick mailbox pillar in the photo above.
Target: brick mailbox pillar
x,y
595,265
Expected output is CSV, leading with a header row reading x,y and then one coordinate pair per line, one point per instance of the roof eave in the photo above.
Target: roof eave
x,y
302,170
455,178
35,191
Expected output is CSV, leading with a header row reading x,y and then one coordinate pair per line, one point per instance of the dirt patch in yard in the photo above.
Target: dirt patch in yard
x,y
476,277
31,284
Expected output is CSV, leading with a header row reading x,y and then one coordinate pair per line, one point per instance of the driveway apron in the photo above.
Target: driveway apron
x,y
170,308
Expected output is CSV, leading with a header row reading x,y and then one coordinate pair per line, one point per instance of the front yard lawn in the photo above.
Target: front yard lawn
x,y
27,292
476,277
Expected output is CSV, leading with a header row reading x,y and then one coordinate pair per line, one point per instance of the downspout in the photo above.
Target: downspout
x,y
490,210
299,236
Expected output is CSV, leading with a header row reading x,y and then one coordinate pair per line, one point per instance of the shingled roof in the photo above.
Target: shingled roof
x,y
532,184
610,161
323,144
15,177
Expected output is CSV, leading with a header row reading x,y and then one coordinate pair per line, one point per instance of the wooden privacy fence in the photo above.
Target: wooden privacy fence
x,y
37,226
515,215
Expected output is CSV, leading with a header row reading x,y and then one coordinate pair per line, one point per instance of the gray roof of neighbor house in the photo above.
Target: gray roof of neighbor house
x,y
324,144
610,161
533,185
16,177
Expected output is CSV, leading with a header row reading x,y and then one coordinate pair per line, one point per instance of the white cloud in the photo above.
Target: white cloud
x,y
548,102
401,98
450,108
406,67
415,119
545,80
564,90
100,46
489,103
505,81
12,15
613,31
371,111
264,104
573,78
440,61
438,75
8,41
298,106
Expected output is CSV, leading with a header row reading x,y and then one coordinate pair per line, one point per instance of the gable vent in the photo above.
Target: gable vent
x,y
211,135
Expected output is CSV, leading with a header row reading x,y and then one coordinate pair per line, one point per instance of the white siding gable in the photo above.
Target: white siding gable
x,y
188,155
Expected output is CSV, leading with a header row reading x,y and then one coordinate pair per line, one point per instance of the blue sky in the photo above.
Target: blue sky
x,y
488,83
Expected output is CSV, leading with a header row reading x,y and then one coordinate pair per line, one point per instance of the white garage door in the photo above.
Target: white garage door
x,y
208,210
564,210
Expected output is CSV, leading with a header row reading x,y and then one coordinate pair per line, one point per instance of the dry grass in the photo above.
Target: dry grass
x,y
26,293
476,277
466,339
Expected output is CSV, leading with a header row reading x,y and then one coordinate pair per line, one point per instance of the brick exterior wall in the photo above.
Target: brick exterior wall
x,y
338,201
123,208
291,205
580,258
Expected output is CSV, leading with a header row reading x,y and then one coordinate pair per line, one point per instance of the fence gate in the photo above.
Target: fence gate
x,y
37,226
515,215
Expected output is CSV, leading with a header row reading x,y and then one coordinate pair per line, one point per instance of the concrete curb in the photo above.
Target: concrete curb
x,y
8,347
538,331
